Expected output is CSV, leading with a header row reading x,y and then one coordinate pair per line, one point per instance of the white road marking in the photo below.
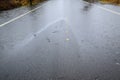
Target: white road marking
x,y
14,19
106,9
109,10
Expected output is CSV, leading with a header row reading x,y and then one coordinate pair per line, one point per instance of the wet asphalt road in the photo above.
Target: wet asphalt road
x,y
62,40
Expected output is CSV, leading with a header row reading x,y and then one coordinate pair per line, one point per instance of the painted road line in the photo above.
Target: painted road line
x,y
109,10
14,19
103,8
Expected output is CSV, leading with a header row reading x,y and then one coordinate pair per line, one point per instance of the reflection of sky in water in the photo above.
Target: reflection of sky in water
x,y
98,27
93,39
56,9
29,24
87,7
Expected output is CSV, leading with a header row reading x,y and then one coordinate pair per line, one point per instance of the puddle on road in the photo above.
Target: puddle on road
x,y
87,7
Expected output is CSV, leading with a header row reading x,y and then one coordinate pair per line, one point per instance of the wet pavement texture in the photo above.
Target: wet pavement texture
x,y
62,40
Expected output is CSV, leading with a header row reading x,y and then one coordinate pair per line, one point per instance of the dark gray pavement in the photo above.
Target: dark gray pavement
x,y
62,40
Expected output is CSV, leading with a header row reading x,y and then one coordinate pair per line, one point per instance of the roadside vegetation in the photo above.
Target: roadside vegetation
x,y
10,4
116,2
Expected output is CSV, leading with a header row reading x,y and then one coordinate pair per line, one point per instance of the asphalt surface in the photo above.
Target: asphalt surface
x,y
62,40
